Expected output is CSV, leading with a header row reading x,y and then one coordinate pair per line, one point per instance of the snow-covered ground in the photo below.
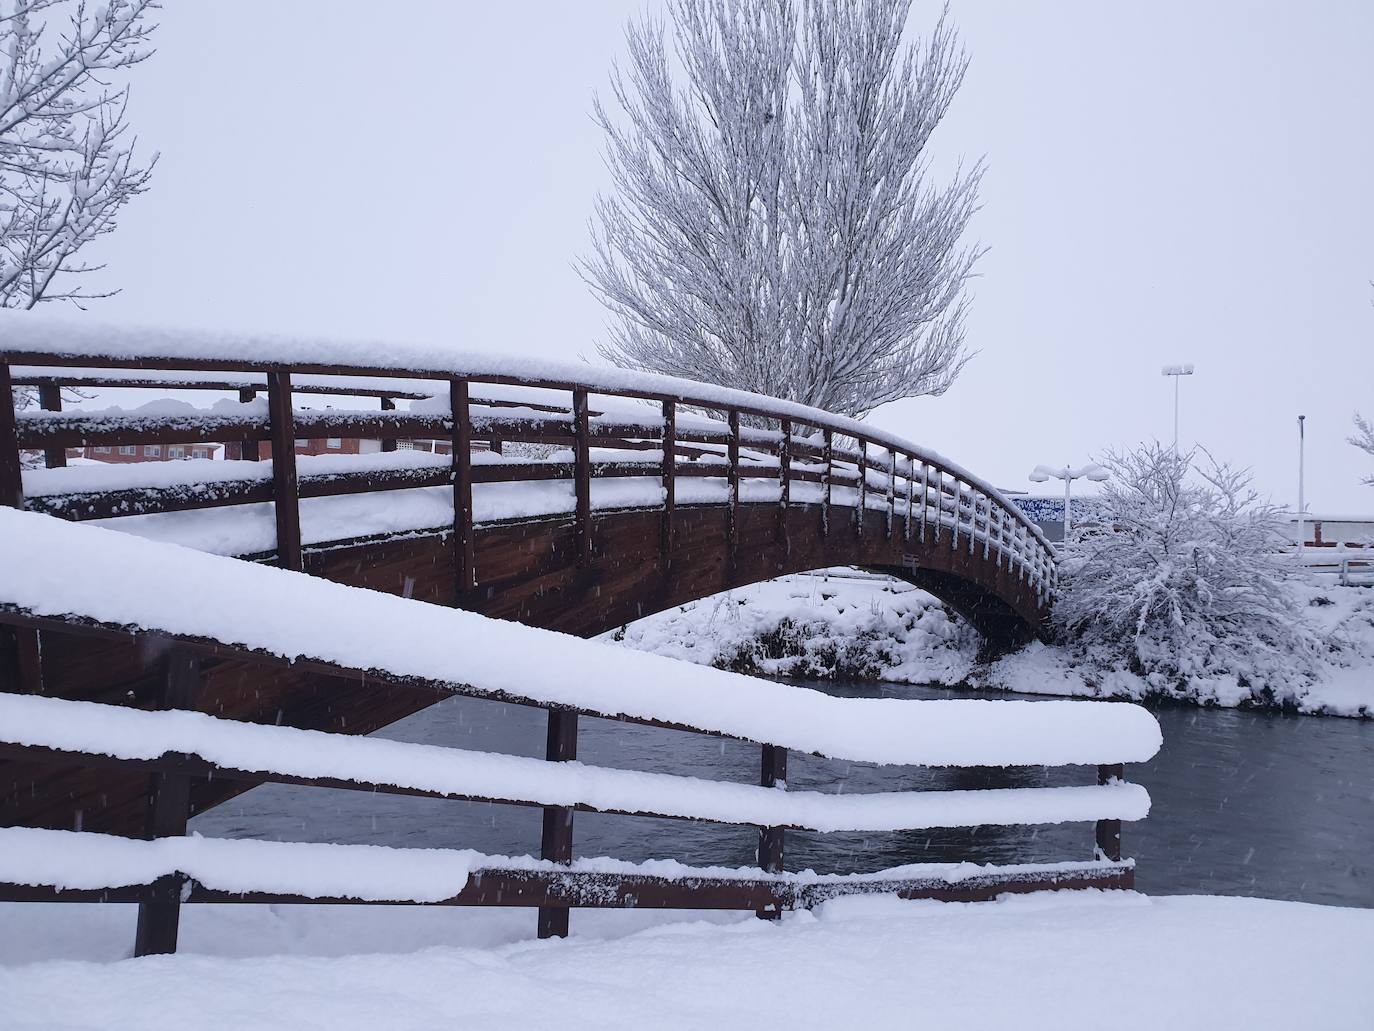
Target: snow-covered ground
x,y
848,624
1060,960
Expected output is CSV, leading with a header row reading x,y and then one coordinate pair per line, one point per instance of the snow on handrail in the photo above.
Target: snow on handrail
x,y
130,734
53,568
31,339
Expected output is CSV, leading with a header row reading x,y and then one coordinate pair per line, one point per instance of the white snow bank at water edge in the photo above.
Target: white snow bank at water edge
x,y
55,568
847,624
1052,961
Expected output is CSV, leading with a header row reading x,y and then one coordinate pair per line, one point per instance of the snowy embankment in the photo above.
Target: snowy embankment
x,y
1040,961
850,625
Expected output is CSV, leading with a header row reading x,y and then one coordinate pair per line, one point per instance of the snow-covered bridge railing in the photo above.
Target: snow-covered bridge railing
x,y
184,614
596,440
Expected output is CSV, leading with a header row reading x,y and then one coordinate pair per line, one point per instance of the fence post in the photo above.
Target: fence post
x,y
388,405
248,449
910,475
557,839
862,510
784,488
773,774
582,476
50,400
11,470
827,477
732,456
1109,831
669,472
460,473
169,809
285,496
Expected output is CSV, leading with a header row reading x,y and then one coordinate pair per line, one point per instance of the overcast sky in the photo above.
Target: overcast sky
x,y
1168,182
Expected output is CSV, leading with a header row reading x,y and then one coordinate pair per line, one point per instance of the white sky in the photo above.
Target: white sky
x,y
1168,182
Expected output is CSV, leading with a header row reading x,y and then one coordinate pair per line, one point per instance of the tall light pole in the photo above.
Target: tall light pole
x,y
1091,471
1176,371
1302,518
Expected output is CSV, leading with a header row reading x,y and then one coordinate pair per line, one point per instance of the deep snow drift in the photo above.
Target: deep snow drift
x,y
1055,960
848,624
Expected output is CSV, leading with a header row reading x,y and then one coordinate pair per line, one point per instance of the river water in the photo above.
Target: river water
x,y
1244,803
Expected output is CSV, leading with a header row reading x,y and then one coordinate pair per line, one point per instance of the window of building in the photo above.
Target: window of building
x,y
199,452
335,442
127,449
302,443
176,452
152,451
102,451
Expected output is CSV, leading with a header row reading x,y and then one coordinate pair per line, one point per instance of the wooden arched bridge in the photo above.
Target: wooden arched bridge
x,y
559,497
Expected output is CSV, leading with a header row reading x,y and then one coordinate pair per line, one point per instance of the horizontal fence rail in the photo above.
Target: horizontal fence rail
x,y
495,429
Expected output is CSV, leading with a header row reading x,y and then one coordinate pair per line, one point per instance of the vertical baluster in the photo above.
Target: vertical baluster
x,y
388,405
1108,832
891,490
827,477
168,810
11,470
50,400
460,474
773,775
582,475
285,495
556,843
249,450
925,501
732,455
784,488
958,511
987,524
862,510
669,473
910,484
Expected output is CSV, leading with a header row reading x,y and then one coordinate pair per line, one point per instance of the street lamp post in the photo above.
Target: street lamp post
x,y
1176,371
1302,518
1091,471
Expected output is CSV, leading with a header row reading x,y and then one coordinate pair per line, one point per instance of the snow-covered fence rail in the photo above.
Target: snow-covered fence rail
x,y
185,613
624,440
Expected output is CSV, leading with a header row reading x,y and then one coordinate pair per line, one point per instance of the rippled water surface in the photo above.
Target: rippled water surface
x,y
1244,803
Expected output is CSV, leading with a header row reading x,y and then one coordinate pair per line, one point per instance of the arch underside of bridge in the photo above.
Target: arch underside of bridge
x,y
528,571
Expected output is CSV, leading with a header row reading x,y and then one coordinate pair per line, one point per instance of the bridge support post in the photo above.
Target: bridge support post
x,y
732,456
248,449
11,474
169,808
582,476
388,405
669,480
827,477
1109,831
20,665
50,400
285,493
464,550
773,775
557,840
784,489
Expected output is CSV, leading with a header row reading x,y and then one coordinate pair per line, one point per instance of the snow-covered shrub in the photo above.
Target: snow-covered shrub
x,y
1363,438
1183,579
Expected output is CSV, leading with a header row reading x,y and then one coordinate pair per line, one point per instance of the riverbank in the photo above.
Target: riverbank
x,y
852,625
1053,960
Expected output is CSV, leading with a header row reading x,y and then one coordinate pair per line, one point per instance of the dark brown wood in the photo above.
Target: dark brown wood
x,y
50,400
285,498
669,474
506,887
582,478
248,449
732,478
464,546
11,474
556,844
388,405
784,487
861,509
1108,832
169,807
828,478
891,489
773,774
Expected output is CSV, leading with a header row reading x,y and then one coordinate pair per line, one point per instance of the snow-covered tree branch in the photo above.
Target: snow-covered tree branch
x,y
66,167
774,225
1183,576
1363,438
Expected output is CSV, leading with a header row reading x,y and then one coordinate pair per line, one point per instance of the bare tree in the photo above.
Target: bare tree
x,y
1363,438
773,225
66,168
